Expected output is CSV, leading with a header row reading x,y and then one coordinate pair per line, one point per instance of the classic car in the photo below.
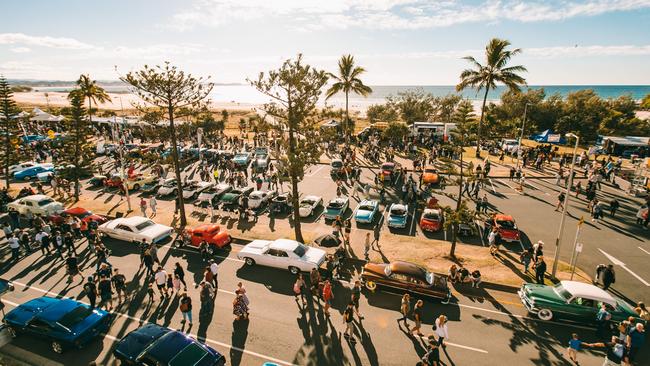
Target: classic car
x,y
114,181
194,188
97,180
406,277
65,323
230,200
573,301
430,176
80,213
135,228
309,204
390,171
398,215
32,172
280,204
366,211
152,344
152,187
282,253
242,159
135,182
212,194
432,219
169,187
258,199
213,234
336,166
36,204
22,166
336,207
506,227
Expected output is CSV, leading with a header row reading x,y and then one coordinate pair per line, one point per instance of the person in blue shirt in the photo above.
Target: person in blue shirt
x,y
575,345
602,319
635,340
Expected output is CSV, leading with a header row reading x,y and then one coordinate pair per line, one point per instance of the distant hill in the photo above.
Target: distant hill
x,y
70,83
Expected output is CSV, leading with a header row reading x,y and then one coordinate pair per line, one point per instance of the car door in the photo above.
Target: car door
x,y
581,309
124,232
39,328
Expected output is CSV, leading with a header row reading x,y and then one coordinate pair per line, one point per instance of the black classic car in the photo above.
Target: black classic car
x,y
406,277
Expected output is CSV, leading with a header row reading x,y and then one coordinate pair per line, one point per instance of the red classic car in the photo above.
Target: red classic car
x,y
432,219
390,171
114,181
80,213
211,233
506,227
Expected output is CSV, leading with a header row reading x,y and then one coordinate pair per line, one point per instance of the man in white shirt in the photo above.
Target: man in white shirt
x,y
214,268
14,244
161,282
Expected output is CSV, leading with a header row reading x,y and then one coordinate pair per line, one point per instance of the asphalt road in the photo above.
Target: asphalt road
x,y
279,332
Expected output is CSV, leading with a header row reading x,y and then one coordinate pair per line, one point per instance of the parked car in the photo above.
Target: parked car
x,y
242,159
169,187
406,277
114,181
97,180
135,182
80,213
573,300
36,204
432,219
213,234
194,188
212,194
336,166
430,176
280,204
309,204
336,207
65,323
135,228
282,253
230,200
258,199
32,172
152,187
390,171
398,215
506,227
21,166
152,344
366,211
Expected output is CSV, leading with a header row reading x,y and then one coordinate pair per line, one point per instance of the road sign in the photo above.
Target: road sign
x,y
578,247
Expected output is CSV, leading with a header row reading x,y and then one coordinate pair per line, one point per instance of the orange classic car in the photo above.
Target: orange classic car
x,y
211,233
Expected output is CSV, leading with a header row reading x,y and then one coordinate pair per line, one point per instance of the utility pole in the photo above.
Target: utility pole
x,y
121,143
576,249
521,136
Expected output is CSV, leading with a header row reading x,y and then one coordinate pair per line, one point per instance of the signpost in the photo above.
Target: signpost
x,y
577,247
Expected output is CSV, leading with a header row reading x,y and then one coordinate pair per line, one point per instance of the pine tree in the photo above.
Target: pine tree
x,y
9,153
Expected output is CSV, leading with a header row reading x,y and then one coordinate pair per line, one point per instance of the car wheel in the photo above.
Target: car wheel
x,y
211,250
249,261
545,314
371,285
136,187
294,270
27,179
12,332
57,347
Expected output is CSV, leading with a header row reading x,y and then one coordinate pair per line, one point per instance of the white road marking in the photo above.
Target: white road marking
x,y
619,263
464,347
492,184
315,171
647,252
143,320
169,246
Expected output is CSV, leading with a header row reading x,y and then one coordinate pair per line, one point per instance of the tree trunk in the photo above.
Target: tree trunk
x,y
295,203
347,119
177,168
76,161
459,200
480,122
7,152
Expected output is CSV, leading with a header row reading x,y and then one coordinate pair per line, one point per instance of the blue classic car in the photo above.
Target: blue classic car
x,y
336,207
152,344
242,159
398,215
65,323
32,172
366,211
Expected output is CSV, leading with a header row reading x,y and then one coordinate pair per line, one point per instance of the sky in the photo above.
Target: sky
x,y
398,42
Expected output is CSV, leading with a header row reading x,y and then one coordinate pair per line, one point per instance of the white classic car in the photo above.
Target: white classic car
x,y
258,199
135,228
212,194
282,253
309,204
194,188
36,204
168,187
22,166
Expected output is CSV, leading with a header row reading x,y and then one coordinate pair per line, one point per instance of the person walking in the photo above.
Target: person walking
x,y
417,317
119,283
72,266
153,204
206,296
328,295
91,291
214,268
609,277
602,320
348,318
540,269
525,258
147,260
441,330
314,280
616,353
432,356
493,238
161,282
143,206
178,271
560,201
575,345
185,307
355,297
405,309
14,244
635,340
376,232
298,289
105,290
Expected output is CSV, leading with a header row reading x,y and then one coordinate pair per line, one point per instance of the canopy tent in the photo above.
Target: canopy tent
x,y
549,137
627,145
40,116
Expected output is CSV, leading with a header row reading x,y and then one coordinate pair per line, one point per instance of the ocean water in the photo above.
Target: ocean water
x,y
246,94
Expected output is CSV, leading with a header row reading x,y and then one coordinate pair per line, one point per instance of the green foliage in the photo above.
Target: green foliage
x,y
9,152
645,103
294,89
395,132
348,81
446,106
381,113
211,127
21,88
89,89
413,105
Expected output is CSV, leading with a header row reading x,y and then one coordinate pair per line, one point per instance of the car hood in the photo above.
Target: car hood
x,y
156,230
377,269
135,342
91,321
363,214
229,197
315,255
542,292
397,219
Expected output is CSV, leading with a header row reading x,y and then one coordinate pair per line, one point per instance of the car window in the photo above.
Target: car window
x,y
299,251
506,224
399,211
400,277
584,302
123,227
198,234
144,225
282,253
40,325
46,201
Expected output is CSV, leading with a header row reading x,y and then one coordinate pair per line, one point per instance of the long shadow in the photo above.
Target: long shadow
x,y
238,340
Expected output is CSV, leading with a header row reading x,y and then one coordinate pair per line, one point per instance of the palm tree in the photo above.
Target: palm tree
x,y
348,81
494,71
93,92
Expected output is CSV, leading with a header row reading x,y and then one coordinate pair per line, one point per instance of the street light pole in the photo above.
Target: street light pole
x,y
121,143
521,136
558,240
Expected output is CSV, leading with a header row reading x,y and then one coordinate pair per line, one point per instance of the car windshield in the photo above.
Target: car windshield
x,y
170,183
366,207
562,292
241,156
191,186
337,164
144,225
432,216
432,171
75,316
46,201
387,166
398,211
83,215
335,204
300,251
308,202
506,224
190,355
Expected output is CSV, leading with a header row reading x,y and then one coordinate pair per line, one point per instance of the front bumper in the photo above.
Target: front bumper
x,y
397,225
528,304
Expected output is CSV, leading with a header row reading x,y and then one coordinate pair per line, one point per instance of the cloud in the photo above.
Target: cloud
x,y
43,41
392,14
20,49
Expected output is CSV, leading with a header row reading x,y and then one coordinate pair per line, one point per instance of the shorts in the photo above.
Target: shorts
x,y
106,296
161,287
355,302
572,352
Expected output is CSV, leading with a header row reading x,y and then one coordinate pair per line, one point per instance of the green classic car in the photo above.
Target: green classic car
x,y
572,300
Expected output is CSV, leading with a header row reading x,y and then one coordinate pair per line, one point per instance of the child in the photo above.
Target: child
x,y
150,292
176,283
575,345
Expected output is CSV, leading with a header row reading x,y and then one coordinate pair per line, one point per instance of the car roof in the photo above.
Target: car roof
x,y
134,220
408,268
36,197
311,198
76,210
580,289
398,205
284,244
503,217
432,210
207,227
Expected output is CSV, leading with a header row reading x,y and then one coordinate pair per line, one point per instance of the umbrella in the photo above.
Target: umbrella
x,y
328,240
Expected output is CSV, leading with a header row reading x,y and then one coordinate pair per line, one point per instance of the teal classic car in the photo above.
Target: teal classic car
x,y
398,215
336,207
366,211
572,300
